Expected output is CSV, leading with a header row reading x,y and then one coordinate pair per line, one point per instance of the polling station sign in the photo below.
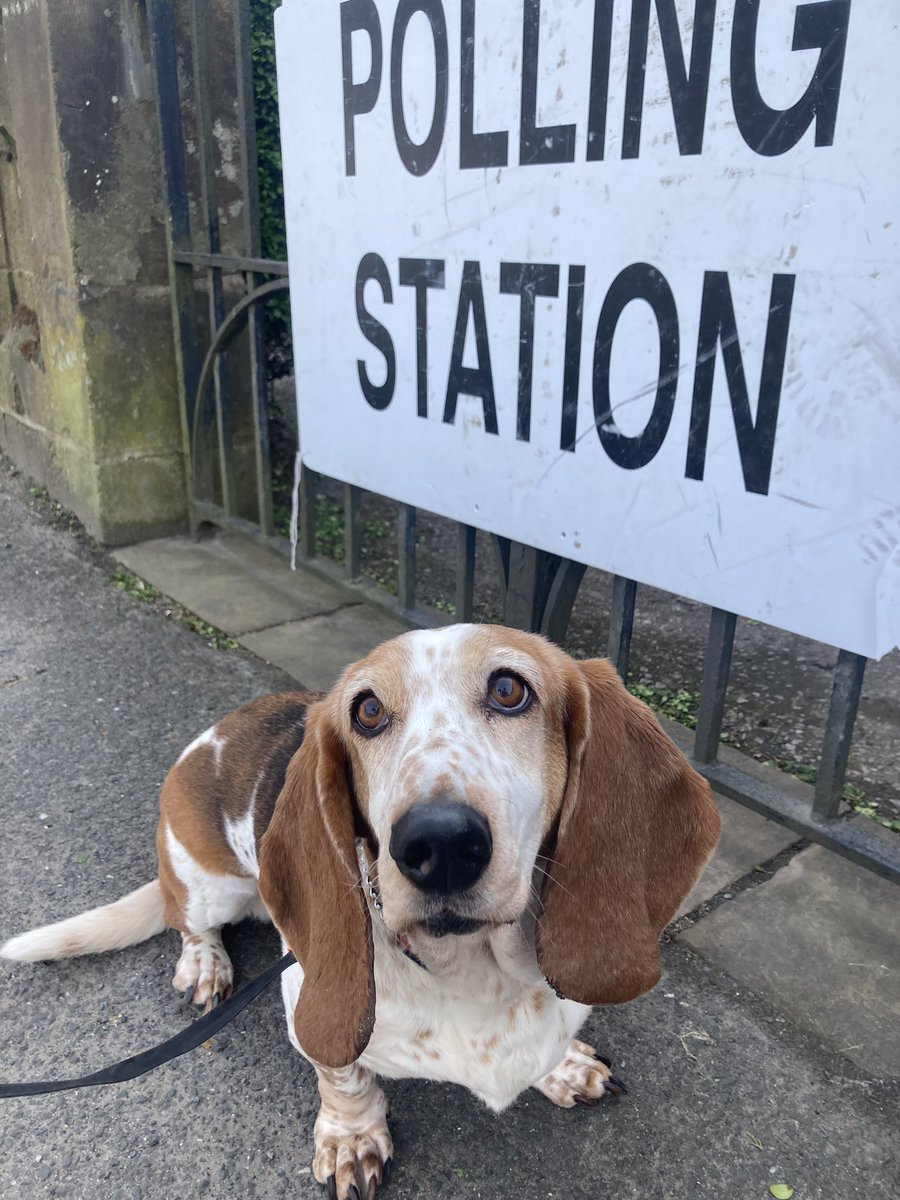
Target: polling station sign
x,y
615,278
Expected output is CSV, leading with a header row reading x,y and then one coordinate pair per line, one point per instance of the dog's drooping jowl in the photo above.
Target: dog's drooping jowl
x,y
467,843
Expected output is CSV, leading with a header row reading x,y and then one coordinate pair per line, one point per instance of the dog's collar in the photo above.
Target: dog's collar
x,y
400,939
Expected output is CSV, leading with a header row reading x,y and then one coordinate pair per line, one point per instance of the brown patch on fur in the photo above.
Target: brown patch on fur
x,y
258,739
309,881
174,893
492,1042
385,672
636,827
444,784
388,663
422,1035
538,1002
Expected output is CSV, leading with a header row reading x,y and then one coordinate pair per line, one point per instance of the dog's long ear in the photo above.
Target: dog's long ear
x,y
309,881
636,828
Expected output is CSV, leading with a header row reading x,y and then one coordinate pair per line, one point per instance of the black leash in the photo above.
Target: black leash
x,y
189,1039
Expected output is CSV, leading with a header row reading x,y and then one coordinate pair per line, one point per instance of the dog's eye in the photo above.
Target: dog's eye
x,y
507,693
369,715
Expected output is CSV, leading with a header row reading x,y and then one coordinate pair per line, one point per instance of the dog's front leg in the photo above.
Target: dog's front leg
x,y
353,1146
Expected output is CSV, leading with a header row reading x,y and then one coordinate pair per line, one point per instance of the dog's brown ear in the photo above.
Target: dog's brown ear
x,y
636,827
309,881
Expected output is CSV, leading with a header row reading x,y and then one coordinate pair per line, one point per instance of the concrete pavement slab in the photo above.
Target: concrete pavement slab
x,y
747,839
821,940
316,650
230,581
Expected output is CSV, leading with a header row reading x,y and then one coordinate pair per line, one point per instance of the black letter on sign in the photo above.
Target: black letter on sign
x,y
688,89
771,131
471,381
572,368
538,143
600,52
640,281
756,440
422,273
527,280
475,149
372,267
358,97
418,158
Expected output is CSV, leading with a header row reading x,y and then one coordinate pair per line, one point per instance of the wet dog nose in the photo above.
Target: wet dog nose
x,y
441,847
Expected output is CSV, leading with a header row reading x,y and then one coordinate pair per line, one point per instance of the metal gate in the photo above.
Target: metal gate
x,y
538,589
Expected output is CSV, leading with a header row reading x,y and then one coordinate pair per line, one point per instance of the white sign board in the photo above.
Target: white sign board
x,y
617,279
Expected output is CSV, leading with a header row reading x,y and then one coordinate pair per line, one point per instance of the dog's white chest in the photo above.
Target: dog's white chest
x,y
476,1024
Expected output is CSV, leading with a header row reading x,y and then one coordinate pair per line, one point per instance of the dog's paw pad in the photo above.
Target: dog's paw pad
x,y
204,973
353,1166
582,1077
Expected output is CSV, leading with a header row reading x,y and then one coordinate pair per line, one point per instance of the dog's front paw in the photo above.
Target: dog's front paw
x,y
352,1164
204,972
581,1078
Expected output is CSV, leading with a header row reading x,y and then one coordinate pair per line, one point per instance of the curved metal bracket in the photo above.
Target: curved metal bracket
x,y
222,339
538,588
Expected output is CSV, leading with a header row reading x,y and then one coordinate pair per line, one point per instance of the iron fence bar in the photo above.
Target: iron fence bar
x,y
252,246
521,592
529,578
561,599
200,50
621,624
502,547
855,839
716,669
231,264
352,531
306,543
845,692
259,389
465,571
406,555
161,22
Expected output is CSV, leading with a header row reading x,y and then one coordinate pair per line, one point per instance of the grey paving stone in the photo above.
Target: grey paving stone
x,y
747,839
315,651
821,941
230,581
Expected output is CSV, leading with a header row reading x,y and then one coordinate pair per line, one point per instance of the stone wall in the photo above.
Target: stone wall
x,y
88,389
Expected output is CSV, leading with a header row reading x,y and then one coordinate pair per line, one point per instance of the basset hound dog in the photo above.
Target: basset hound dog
x,y
469,841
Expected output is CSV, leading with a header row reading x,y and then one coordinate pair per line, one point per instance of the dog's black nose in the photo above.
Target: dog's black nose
x,y
441,847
